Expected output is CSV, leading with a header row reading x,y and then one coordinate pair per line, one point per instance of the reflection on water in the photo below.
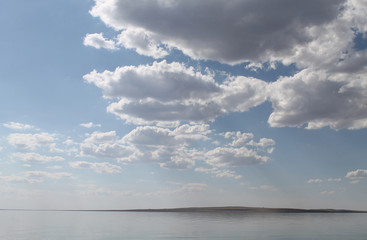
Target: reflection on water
x,y
22,225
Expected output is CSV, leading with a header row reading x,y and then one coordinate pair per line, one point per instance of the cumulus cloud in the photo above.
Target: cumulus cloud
x,y
90,125
166,93
103,167
143,42
357,174
101,137
233,157
97,40
226,31
31,141
241,151
18,126
37,158
318,99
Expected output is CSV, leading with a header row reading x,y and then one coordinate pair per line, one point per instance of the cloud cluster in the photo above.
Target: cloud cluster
x,y
166,93
318,37
242,151
168,148
176,148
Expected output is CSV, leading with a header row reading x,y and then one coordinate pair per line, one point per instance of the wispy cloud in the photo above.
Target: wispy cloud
x,y
18,126
103,167
90,125
315,180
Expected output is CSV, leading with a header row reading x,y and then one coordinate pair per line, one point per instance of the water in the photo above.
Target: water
x,y
33,225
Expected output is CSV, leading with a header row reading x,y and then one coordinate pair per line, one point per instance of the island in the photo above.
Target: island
x,y
235,209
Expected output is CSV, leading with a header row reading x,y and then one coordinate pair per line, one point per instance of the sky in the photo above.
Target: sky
x,y
118,104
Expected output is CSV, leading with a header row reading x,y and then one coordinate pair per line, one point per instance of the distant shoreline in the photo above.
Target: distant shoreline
x,y
229,209
246,210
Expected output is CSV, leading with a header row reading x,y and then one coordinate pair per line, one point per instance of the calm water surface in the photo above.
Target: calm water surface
x,y
33,225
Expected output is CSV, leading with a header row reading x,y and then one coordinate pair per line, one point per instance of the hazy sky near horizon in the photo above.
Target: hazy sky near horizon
x,y
116,104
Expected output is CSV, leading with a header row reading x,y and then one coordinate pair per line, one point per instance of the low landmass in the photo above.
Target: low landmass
x,y
229,209
244,210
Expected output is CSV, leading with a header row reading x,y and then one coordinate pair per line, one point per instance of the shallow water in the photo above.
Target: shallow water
x,y
39,225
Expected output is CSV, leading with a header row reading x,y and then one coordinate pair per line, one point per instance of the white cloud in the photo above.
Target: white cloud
x,y
268,188
327,192
242,151
239,139
38,176
192,187
264,142
334,180
357,174
31,141
90,125
315,180
35,177
55,149
226,31
166,93
13,179
97,40
219,173
101,137
142,42
355,181
167,147
161,81
37,158
103,167
55,167
18,126
69,142
319,99
262,187
232,157
106,150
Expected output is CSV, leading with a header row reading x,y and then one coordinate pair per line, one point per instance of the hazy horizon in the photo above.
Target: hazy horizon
x,y
114,104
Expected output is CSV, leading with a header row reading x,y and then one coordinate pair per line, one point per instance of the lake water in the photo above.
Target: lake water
x,y
48,225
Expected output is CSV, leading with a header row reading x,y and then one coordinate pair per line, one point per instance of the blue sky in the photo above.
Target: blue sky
x,y
114,104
